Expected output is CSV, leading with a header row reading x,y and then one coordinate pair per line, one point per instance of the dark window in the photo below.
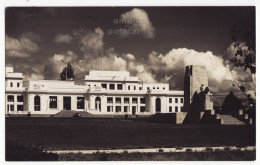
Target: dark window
x,y
158,87
10,98
126,100
134,87
118,100
110,100
134,100
37,103
142,109
112,86
140,88
19,98
163,88
104,86
142,100
176,109
125,108
176,100
80,103
128,87
170,109
19,107
181,100
153,87
53,102
10,107
109,109
118,108
119,86
170,100
148,88
11,84
18,84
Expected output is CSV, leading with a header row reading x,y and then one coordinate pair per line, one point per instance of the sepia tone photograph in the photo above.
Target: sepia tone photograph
x,y
132,83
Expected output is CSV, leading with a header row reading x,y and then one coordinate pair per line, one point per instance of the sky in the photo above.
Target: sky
x,y
153,43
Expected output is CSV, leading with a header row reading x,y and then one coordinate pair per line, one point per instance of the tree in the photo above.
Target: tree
x,y
231,104
67,73
245,57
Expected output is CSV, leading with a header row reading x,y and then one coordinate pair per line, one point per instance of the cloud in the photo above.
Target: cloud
x,y
91,42
138,21
56,63
22,47
63,38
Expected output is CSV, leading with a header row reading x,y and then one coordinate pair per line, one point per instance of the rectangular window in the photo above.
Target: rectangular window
x,y
158,87
11,84
176,100
142,109
170,109
148,88
18,84
134,100
128,87
170,100
181,100
80,103
12,107
140,88
19,107
163,88
134,87
119,86
125,108
142,100
109,109
53,102
10,98
110,100
118,100
19,98
118,108
112,86
126,100
153,87
176,108
104,86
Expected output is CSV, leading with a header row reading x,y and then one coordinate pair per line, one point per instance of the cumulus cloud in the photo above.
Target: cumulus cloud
x,y
138,20
56,63
21,47
90,42
63,38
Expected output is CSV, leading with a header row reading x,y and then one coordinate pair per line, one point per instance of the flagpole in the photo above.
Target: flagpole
x,y
102,61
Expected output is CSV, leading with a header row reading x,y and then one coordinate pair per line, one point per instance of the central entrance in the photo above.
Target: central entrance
x,y
67,103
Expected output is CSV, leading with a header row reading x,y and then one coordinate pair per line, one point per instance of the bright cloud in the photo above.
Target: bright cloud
x,y
63,38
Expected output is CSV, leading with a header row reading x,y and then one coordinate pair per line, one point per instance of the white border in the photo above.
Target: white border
x,y
6,3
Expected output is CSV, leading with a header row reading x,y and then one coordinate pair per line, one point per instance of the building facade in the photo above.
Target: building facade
x,y
99,92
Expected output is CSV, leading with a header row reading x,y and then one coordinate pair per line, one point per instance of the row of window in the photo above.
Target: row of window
x,y
53,104
126,109
11,107
10,98
176,100
120,87
176,109
17,84
126,100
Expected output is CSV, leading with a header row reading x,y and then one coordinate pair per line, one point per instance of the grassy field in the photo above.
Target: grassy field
x,y
107,133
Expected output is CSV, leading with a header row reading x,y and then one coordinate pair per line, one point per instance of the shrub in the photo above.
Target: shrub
x,y
188,150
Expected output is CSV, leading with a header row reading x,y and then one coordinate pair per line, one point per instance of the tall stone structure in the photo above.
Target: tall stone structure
x,y
197,102
195,77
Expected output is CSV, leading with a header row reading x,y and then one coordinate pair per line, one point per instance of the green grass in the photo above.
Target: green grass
x,y
97,133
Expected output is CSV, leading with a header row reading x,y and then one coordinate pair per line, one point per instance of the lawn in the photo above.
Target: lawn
x,y
109,133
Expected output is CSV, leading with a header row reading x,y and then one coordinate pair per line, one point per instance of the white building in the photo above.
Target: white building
x,y
99,92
